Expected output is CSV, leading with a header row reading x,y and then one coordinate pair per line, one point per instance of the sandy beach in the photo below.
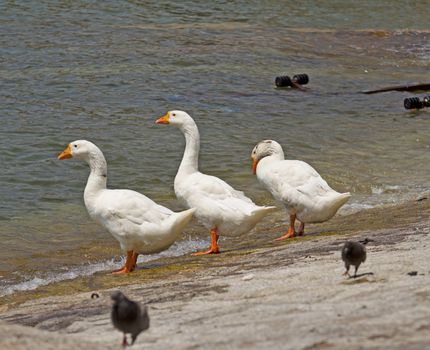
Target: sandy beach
x,y
258,294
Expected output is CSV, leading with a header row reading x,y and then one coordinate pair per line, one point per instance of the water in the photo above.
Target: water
x,y
105,71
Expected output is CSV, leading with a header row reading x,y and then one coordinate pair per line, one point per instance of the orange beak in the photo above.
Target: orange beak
x,y
165,119
254,165
67,153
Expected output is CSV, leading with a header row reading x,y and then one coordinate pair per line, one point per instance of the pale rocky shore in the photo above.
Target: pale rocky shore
x,y
255,295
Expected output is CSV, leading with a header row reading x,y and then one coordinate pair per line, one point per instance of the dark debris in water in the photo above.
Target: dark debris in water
x,y
413,273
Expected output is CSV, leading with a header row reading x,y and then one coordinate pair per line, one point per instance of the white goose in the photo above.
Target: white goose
x,y
139,224
305,194
219,207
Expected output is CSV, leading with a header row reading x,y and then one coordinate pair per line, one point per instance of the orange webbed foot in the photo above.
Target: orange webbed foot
x,y
289,234
214,249
210,251
117,270
125,269
291,231
130,264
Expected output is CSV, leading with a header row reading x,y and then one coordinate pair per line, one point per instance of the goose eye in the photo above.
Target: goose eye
x,y
174,114
76,146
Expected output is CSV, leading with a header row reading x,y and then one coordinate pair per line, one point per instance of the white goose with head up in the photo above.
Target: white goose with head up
x,y
219,207
305,194
139,224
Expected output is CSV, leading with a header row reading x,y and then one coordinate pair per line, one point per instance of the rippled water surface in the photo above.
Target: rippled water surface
x,y
104,71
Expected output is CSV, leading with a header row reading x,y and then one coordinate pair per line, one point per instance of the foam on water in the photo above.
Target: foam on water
x,y
177,249
355,207
386,189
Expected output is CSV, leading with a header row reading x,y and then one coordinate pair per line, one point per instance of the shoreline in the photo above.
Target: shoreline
x,y
253,291
261,237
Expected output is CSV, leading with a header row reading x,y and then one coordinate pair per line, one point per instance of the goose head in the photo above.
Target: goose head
x,y
264,149
179,119
80,149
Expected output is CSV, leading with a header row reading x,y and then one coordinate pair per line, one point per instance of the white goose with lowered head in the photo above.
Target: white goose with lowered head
x,y
139,224
219,207
305,194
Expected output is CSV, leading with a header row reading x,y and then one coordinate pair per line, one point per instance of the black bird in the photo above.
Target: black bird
x,y
128,318
354,253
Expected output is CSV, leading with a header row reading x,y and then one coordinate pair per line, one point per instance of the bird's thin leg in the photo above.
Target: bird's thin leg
x,y
214,249
291,232
124,341
355,272
301,229
133,338
346,273
128,264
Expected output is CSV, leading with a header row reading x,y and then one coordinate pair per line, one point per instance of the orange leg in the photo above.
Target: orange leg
x,y
291,233
301,229
134,257
128,267
214,249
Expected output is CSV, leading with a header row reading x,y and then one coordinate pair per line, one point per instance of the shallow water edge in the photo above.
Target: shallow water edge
x,y
388,217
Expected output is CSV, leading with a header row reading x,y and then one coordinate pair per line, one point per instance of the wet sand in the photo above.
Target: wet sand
x,y
257,294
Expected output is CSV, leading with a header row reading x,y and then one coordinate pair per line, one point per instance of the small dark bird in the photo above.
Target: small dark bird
x,y
354,253
128,318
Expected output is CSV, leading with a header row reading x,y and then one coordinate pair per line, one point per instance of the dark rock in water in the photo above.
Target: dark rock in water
x,y
295,82
354,253
128,317
283,80
95,295
416,103
301,79
413,273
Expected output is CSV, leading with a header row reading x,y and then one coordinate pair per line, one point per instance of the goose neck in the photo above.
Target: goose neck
x,y
98,174
190,159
